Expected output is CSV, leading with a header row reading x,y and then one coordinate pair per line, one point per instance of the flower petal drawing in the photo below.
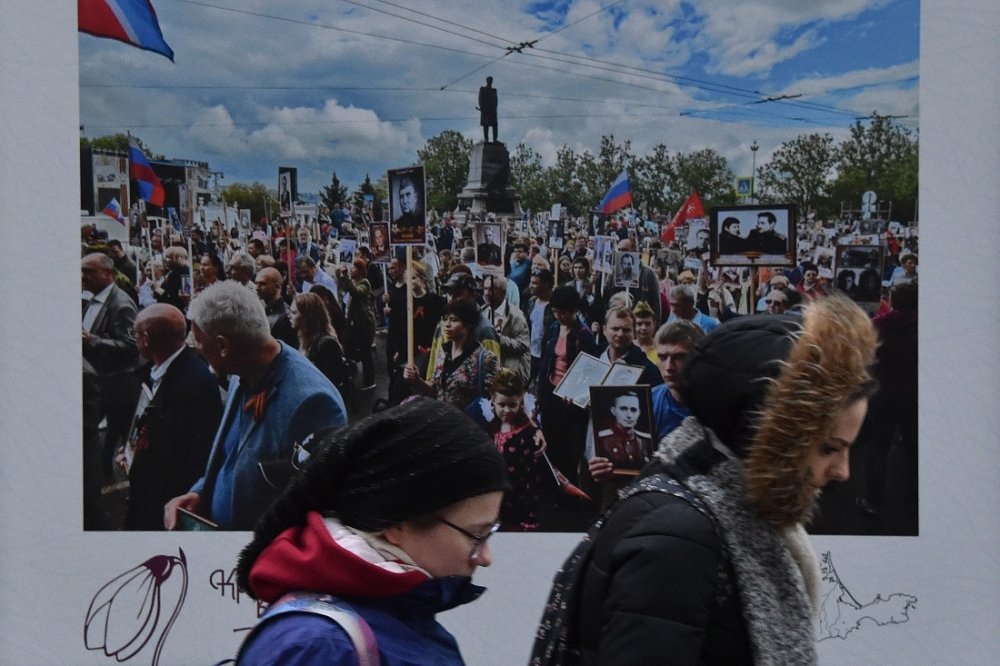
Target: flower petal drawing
x,y
125,613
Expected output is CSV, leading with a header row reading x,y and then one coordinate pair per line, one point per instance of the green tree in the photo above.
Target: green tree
x,y
118,142
256,197
799,173
707,172
379,197
446,167
335,192
563,185
880,156
527,175
652,178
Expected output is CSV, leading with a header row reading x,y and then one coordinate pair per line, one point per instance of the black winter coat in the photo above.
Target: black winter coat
x,y
658,583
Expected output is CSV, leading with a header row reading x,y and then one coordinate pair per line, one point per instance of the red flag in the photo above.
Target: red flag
x,y
691,209
890,239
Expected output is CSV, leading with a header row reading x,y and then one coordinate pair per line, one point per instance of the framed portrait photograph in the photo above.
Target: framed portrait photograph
x,y
557,230
407,206
604,254
488,238
627,270
752,235
858,273
622,374
823,258
346,250
286,192
699,236
623,424
378,242
584,372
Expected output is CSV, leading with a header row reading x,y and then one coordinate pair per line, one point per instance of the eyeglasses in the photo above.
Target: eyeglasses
x,y
479,540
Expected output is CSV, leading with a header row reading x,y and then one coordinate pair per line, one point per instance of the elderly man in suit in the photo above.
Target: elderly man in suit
x,y
174,433
276,399
109,346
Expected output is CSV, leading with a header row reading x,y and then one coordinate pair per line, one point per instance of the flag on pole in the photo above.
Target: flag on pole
x,y
150,188
619,196
114,211
691,209
133,22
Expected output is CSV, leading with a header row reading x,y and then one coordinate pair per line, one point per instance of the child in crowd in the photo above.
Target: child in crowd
x,y
514,435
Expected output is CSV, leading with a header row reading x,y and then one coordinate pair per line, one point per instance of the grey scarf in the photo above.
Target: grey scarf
x,y
776,571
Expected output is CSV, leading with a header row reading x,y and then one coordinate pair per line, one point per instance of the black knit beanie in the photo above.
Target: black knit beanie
x,y
401,463
727,374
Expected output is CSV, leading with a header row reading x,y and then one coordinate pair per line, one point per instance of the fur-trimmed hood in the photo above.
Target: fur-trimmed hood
x,y
770,387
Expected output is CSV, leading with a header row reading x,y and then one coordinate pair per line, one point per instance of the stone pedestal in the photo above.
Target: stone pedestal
x,y
488,188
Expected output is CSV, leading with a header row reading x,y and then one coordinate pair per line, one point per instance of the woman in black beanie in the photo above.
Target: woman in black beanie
x,y
382,529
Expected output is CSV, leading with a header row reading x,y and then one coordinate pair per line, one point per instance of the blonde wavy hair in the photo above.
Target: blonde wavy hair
x,y
827,370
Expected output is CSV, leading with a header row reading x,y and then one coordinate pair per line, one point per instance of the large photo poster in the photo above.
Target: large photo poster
x,y
57,570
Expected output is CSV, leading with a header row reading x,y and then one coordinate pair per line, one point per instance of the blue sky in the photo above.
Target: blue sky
x,y
357,87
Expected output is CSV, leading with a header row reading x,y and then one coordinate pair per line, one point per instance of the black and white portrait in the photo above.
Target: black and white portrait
x,y
622,419
752,236
406,206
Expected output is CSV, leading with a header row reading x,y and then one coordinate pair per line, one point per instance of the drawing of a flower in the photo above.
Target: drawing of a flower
x,y
124,614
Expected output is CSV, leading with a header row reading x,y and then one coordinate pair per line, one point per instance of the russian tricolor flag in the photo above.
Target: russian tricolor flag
x,y
131,21
114,211
619,196
150,188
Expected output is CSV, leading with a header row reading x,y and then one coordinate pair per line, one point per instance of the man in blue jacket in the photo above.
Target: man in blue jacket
x,y
276,398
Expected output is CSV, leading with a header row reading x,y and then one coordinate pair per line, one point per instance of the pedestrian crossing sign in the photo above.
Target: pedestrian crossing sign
x,y
744,186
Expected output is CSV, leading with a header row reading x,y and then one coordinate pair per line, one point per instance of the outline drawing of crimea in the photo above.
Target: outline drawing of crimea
x,y
841,613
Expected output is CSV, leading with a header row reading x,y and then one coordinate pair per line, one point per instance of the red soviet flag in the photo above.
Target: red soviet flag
x,y
690,210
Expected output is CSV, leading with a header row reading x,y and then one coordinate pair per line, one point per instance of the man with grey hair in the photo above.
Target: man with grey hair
x,y
108,338
241,268
682,299
510,324
311,274
276,398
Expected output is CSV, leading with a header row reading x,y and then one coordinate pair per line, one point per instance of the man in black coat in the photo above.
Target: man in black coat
x,y
174,434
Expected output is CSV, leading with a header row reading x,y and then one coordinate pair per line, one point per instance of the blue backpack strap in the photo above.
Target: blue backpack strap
x,y
336,610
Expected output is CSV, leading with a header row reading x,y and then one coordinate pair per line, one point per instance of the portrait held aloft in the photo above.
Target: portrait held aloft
x,y
623,426
488,245
751,236
407,206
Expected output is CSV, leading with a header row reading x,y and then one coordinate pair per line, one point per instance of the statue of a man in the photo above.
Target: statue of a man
x,y
488,109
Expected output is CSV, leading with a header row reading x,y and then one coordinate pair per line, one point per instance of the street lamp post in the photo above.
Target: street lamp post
x,y
753,170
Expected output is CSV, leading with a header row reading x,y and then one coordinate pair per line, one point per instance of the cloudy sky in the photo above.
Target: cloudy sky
x,y
357,86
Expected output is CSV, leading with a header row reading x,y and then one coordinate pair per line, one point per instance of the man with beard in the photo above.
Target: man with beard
x,y
705,557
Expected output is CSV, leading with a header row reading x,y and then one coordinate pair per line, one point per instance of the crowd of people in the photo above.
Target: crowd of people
x,y
532,316
219,366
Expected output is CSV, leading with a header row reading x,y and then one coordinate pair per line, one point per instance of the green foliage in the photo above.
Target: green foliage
x,y
118,142
705,171
334,193
446,167
880,156
527,175
379,190
256,197
652,176
799,173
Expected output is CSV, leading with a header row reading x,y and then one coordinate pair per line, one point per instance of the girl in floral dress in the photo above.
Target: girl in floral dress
x,y
514,434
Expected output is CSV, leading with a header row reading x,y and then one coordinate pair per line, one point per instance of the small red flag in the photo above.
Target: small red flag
x,y
691,209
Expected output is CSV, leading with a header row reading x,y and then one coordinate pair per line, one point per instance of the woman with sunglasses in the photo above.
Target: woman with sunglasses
x,y
382,529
